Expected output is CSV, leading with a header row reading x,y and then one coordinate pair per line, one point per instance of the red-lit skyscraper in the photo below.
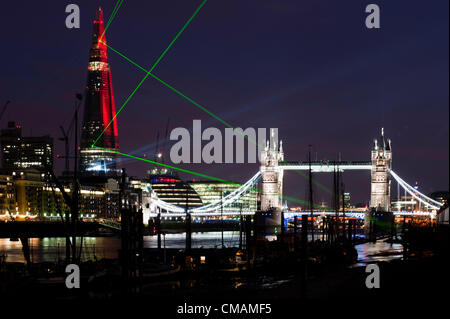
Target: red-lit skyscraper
x,y
99,108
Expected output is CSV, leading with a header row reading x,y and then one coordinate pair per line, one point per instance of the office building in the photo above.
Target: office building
x,y
20,152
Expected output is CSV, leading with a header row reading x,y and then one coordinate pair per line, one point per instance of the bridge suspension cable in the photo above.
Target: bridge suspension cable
x,y
423,199
230,198
247,186
213,206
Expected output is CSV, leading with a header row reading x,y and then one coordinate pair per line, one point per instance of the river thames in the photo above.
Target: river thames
x,y
51,249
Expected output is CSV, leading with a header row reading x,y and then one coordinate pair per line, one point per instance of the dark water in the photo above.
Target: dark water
x,y
52,249
379,251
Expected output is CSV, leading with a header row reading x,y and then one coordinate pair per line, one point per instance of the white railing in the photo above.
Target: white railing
x,y
211,207
428,202
216,206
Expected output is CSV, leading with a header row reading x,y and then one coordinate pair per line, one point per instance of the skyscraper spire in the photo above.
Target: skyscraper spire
x,y
99,108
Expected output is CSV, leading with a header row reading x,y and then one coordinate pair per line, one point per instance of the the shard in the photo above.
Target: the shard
x,y
99,123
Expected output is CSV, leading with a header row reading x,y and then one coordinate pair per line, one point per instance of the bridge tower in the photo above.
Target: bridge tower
x,y
271,174
380,197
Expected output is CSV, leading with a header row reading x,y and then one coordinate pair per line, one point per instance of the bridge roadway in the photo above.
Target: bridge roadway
x,y
289,214
326,166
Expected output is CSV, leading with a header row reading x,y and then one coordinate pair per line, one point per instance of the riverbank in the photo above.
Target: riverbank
x,y
280,280
414,281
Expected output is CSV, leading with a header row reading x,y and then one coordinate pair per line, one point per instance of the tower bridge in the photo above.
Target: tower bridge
x,y
271,173
326,166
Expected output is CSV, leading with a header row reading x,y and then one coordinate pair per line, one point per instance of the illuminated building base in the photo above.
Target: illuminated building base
x,y
98,161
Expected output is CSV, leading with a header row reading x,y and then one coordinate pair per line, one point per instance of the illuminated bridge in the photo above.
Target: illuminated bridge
x,y
325,166
270,177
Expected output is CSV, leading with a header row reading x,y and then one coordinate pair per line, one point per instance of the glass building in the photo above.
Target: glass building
x,y
212,191
171,189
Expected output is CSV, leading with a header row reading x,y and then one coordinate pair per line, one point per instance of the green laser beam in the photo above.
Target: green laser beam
x,y
202,108
126,101
315,182
304,202
113,13
111,17
293,199
169,166
154,65
380,222
172,88
127,58
192,101
178,34
183,95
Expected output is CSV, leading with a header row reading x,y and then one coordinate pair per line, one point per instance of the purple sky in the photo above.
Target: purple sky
x,y
310,68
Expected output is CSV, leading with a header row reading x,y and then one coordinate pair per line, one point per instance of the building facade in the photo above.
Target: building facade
x,y
19,152
28,194
28,186
7,194
95,201
214,191
168,186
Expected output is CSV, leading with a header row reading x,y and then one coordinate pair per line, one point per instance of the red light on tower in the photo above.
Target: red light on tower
x,y
99,104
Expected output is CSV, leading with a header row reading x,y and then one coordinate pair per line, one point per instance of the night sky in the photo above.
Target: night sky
x,y
310,68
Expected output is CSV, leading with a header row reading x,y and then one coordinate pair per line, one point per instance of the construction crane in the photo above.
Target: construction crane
x,y
71,201
65,137
165,140
4,109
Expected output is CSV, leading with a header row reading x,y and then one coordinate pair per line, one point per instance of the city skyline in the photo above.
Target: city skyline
x,y
350,101
273,153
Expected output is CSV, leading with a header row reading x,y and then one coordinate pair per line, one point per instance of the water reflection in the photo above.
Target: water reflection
x,y
53,249
199,240
377,252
